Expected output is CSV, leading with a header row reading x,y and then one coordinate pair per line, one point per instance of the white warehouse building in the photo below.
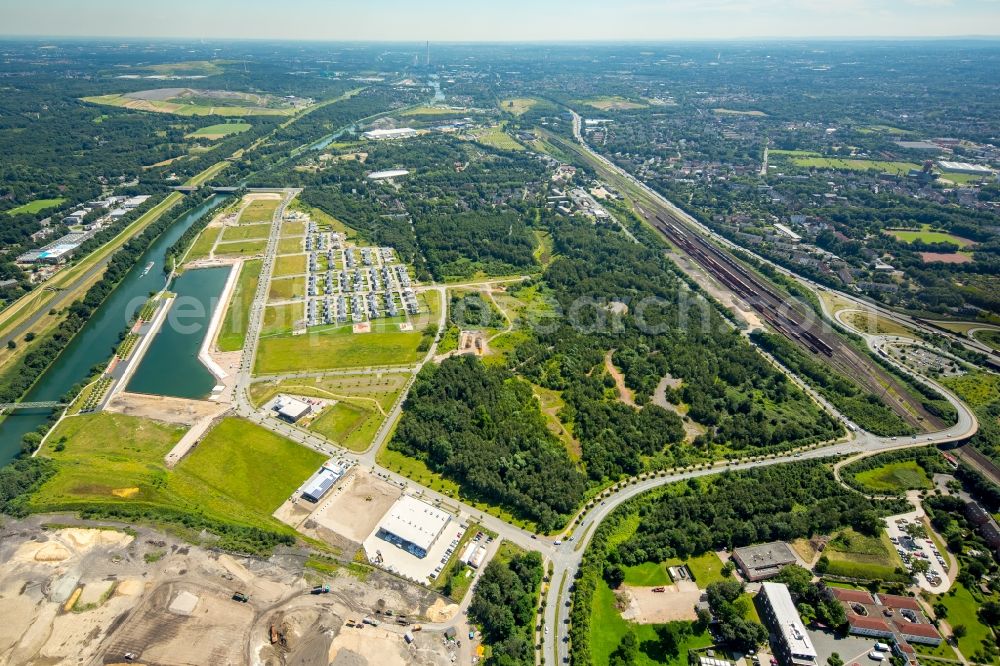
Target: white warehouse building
x,y
383,134
413,525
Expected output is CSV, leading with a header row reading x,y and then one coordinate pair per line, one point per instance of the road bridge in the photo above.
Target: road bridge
x,y
53,404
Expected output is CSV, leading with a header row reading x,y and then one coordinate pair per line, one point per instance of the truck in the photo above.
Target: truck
x,y
240,597
320,589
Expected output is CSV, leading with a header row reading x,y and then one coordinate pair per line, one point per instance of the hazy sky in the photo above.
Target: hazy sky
x,y
498,20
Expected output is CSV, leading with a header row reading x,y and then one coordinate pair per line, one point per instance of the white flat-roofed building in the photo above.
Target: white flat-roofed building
x,y
965,167
390,173
795,646
788,232
383,134
291,409
413,525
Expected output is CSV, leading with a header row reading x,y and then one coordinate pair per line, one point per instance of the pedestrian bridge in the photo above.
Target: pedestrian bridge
x,y
4,406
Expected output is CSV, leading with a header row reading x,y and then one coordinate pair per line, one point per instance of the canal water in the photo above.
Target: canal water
x,y
96,341
171,366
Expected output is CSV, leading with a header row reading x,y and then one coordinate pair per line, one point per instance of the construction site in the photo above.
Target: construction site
x,y
83,595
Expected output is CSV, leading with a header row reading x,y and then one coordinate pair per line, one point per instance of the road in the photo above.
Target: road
x,y
906,320
565,557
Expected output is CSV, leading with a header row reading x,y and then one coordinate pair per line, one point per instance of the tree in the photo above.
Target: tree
x,y
989,613
728,568
959,631
614,575
626,652
835,660
11,344
822,564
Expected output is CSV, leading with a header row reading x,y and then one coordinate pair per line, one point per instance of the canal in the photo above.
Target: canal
x,y
171,366
96,341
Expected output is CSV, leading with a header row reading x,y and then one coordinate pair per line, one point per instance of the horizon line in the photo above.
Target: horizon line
x,y
582,41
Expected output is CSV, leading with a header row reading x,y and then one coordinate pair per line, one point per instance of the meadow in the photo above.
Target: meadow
x,y
112,459
233,332
218,131
895,478
36,206
336,348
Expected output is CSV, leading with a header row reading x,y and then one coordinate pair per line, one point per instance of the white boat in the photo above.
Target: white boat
x,y
148,266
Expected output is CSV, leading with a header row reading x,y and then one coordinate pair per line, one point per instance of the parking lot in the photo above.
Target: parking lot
x,y
852,649
409,566
919,548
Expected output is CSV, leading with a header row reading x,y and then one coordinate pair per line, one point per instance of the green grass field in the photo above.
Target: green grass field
x,y
244,248
246,232
203,107
496,137
289,245
612,103
219,131
433,111
518,105
962,607
607,629
233,332
990,338
259,210
734,112
282,318
839,164
116,459
36,206
370,390
290,264
976,388
895,477
285,289
351,425
293,228
336,348
927,235
855,555
229,461
647,574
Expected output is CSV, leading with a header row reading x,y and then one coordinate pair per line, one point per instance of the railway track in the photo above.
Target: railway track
x,y
795,322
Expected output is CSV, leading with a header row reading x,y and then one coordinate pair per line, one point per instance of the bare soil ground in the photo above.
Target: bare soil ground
x,y
130,583
351,510
677,602
161,408
624,392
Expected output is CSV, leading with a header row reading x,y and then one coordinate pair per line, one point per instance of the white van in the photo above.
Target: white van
x,y
876,656
881,647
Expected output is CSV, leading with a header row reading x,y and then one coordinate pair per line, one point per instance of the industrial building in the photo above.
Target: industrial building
x,y
320,483
763,561
965,167
389,173
384,134
291,409
413,525
794,645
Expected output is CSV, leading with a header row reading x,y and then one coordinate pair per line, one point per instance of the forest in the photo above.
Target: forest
x,y
482,427
863,408
742,403
503,605
740,508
